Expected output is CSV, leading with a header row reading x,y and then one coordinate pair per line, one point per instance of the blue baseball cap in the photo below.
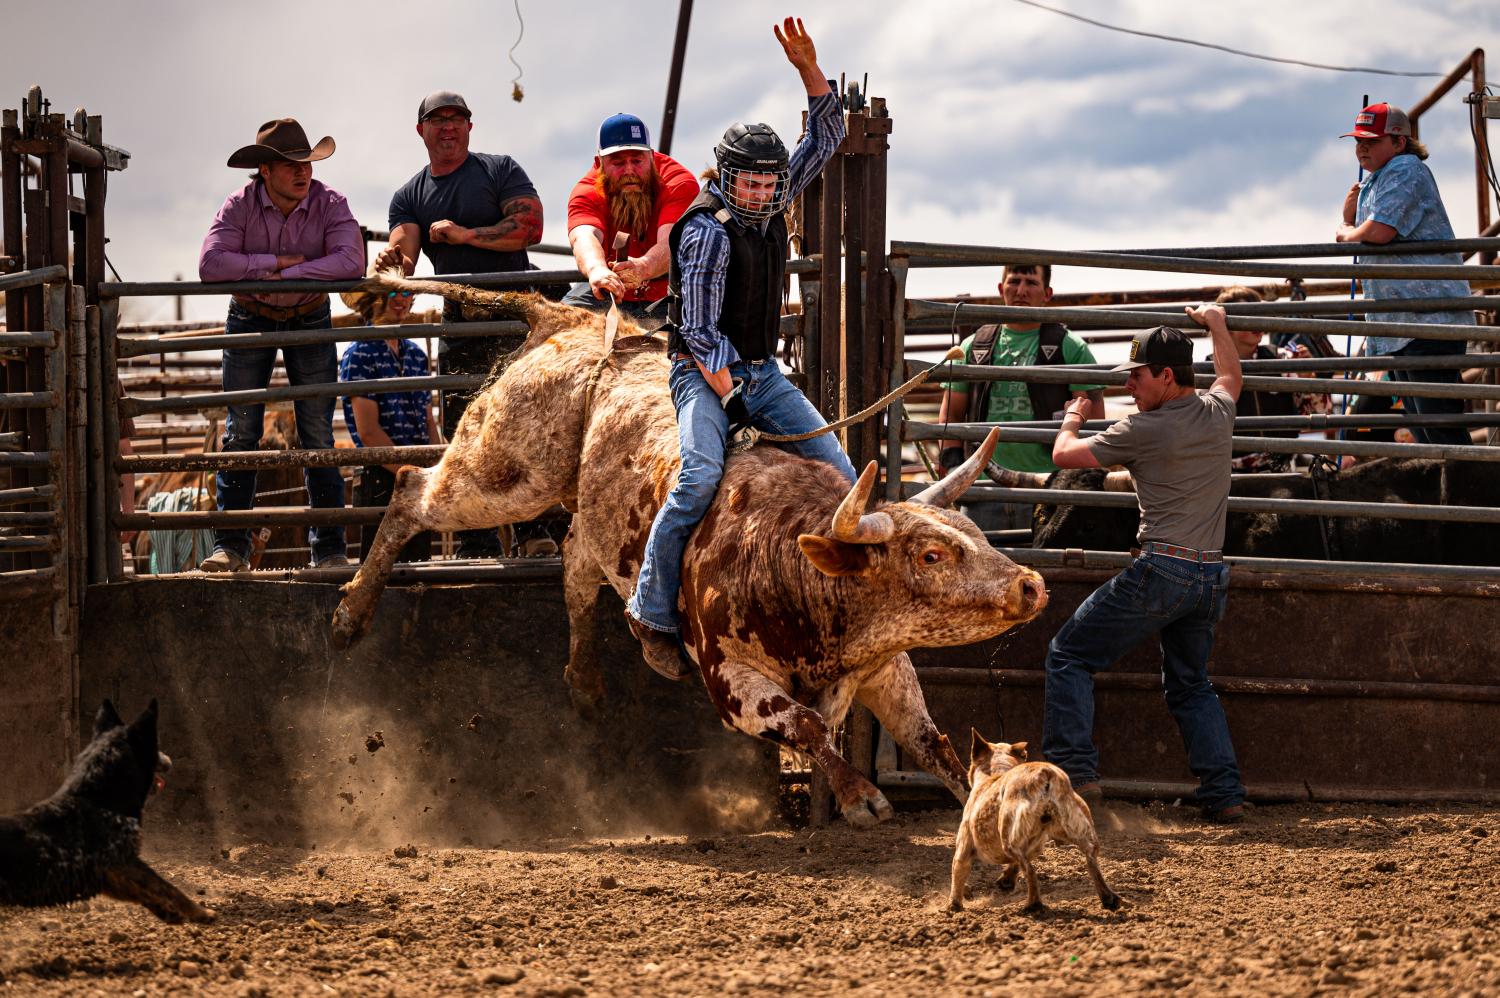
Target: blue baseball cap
x,y
621,132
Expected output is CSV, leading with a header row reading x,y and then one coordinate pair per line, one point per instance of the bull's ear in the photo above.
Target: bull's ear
x,y
1019,751
833,557
979,749
106,718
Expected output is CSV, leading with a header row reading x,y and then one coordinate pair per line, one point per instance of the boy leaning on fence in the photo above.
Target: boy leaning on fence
x,y
1398,199
282,225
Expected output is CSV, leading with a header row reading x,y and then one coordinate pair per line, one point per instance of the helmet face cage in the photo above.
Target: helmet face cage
x,y
729,180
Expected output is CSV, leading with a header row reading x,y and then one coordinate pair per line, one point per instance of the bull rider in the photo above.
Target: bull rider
x,y
728,257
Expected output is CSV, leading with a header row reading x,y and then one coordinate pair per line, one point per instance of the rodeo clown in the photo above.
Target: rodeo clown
x,y
728,256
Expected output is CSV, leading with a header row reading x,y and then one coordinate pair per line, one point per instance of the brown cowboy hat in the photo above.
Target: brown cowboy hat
x,y
282,138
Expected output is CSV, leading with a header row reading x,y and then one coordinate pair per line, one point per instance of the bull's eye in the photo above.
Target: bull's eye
x,y
932,556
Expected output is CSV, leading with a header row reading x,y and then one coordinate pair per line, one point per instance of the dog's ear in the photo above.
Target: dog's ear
x,y
106,718
1019,751
143,733
979,749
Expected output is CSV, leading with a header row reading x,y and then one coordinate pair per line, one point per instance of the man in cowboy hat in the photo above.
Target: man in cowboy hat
x,y
471,213
282,225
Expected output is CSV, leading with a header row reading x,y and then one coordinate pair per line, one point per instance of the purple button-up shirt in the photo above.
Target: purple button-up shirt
x,y
249,233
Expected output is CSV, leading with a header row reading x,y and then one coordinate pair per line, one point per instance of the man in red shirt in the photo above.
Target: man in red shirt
x,y
639,192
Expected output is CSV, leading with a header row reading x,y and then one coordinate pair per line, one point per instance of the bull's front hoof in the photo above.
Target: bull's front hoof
x,y
1110,901
869,811
204,915
1035,909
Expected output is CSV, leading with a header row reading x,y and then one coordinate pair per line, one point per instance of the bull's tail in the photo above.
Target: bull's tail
x,y
499,305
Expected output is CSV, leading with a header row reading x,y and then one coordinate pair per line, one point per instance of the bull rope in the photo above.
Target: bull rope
x,y
788,438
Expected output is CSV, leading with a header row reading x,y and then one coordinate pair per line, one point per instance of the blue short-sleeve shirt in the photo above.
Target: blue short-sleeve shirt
x,y
403,415
1404,195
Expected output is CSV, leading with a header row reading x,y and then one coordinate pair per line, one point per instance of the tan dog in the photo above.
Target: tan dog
x,y
1015,808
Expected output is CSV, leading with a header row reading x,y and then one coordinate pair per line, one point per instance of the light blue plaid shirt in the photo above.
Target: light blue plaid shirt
x,y
1403,195
703,251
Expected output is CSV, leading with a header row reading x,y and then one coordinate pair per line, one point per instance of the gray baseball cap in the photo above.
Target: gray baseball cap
x,y
438,100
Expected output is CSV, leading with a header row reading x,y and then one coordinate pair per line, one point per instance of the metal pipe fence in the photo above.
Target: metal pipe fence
x,y
137,346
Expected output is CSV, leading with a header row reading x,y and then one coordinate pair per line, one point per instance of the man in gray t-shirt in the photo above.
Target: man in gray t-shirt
x,y
1177,448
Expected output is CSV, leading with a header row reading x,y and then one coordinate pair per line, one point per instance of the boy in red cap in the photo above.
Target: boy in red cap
x,y
1398,199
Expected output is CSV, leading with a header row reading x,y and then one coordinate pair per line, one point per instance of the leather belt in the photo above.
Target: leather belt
x,y
280,313
1177,551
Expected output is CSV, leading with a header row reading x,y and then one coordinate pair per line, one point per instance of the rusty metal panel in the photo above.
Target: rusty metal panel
x,y
1390,693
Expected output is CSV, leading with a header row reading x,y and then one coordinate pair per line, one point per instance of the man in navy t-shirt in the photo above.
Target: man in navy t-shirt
x,y
471,213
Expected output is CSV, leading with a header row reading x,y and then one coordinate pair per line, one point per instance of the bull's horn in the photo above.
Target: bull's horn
x,y
850,521
1016,479
946,491
1119,481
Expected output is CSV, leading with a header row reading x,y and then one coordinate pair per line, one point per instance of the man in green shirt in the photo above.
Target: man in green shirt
x,y
1016,344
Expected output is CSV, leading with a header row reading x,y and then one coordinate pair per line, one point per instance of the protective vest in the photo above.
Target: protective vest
x,y
1045,399
751,316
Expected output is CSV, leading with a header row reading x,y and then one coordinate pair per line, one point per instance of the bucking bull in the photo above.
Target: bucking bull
x,y
795,600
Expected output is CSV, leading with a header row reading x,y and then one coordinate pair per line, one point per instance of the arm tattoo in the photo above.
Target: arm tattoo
x,y
520,224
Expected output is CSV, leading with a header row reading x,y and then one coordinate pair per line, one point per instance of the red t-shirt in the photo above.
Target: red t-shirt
x,y
677,189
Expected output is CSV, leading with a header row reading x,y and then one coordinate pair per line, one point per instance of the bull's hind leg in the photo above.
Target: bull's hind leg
x,y
136,882
402,522
581,580
895,698
750,702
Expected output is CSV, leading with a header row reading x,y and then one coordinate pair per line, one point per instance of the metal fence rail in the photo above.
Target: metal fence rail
x,y
137,346
1237,504
922,254
1241,445
1070,374
961,313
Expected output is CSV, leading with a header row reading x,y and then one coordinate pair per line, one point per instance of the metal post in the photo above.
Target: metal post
x,y
109,390
880,359
830,322
55,375
898,346
10,206
855,344
98,461
810,225
78,453
1481,159
674,77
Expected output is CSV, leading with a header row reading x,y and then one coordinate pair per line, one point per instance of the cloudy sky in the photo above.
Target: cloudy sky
x,y
1012,126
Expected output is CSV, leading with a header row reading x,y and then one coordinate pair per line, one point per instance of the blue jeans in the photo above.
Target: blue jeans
x,y
776,406
1432,406
247,368
1179,600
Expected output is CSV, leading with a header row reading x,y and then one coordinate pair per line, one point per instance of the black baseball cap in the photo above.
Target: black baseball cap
x,y
1163,345
439,99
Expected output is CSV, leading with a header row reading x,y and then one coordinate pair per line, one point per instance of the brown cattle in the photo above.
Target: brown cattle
x,y
796,602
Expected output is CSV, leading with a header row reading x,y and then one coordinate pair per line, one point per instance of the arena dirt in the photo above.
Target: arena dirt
x,y
1300,899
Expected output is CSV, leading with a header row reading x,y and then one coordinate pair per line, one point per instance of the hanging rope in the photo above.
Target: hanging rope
x,y
516,93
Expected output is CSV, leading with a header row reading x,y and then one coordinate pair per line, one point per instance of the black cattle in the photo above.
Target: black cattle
x,y
1274,535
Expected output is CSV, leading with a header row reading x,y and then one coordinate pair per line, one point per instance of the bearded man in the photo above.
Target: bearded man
x,y
635,191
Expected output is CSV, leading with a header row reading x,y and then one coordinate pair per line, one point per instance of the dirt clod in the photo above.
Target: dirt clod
x,y
375,741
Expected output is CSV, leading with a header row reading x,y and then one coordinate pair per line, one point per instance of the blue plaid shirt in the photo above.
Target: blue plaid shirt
x,y
703,252
403,415
1404,195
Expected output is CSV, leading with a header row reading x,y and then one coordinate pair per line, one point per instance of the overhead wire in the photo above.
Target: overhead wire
x,y
1223,48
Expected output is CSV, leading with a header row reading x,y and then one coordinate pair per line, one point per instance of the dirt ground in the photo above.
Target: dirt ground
x,y
1299,899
